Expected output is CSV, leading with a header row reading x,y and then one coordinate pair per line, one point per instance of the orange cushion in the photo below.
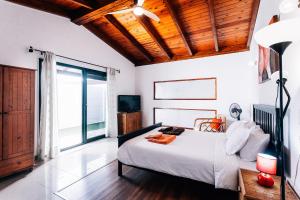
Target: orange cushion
x,y
215,123
163,139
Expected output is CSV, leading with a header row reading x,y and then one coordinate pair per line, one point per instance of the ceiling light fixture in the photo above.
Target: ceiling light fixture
x,y
139,11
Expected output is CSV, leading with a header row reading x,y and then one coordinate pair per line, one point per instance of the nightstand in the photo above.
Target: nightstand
x,y
250,189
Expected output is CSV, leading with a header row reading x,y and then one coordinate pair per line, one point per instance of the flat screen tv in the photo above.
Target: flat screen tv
x,y
129,103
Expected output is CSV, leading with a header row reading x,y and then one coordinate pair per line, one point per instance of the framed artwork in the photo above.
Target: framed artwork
x,y
268,61
186,89
264,70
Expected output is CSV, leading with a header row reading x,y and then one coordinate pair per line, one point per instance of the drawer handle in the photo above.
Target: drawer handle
x,y
4,113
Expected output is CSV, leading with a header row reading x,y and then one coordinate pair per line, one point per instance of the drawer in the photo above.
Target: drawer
x,y
13,165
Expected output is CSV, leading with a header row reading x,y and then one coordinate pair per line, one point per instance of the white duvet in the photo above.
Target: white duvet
x,y
196,155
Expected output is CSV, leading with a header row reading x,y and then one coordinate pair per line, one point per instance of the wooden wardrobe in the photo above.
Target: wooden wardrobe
x,y
17,95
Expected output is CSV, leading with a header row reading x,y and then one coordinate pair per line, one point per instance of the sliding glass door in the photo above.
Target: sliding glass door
x,y
96,106
70,87
81,105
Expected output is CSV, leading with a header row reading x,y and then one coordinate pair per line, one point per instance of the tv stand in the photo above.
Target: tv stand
x,y
129,122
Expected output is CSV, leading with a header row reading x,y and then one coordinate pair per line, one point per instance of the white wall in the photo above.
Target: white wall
x,y
267,91
21,27
236,83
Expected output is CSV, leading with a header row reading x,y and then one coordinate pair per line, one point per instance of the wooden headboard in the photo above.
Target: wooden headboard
x,y
267,117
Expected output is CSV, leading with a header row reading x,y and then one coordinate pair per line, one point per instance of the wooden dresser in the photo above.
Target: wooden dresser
x,y
17,95
129,122
250,189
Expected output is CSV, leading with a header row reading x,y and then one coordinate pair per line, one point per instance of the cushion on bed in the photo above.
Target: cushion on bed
x,y
237,138
236,124
257,143
215,124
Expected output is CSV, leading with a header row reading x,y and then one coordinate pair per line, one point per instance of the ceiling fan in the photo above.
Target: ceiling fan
x,y
139,11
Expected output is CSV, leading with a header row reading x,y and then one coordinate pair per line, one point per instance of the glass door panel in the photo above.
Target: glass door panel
x,y
70,91
96,106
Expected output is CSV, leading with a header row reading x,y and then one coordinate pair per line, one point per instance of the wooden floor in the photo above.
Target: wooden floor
x,y
138,184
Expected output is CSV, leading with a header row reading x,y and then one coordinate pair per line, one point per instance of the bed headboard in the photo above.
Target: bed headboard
x,y
267,117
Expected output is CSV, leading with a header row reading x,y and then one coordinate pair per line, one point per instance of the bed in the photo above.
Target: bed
x,y
194,155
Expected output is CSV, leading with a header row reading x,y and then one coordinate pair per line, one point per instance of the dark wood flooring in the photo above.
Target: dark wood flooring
x,y
138,184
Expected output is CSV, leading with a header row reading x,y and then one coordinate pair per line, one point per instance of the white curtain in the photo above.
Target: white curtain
x,y
111,118
48,134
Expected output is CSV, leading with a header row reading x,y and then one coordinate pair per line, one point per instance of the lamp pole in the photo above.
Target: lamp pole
x,y
280,49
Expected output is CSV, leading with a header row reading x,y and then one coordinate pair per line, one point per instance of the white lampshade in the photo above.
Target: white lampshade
x,y
283,31
287,6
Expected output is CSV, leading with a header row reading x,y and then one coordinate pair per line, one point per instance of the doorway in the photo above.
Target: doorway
x,y
81,96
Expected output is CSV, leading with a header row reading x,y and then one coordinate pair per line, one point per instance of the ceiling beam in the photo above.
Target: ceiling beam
x,y
103,10
179,26
154,35
213,23
82,3
43,6
105,38
126,34
255,7
226,50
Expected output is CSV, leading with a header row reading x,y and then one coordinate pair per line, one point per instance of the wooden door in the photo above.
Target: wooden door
x,y
1,94
18,112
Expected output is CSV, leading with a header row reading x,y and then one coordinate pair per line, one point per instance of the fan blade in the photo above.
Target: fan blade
x,y
122,11
151,15
140,3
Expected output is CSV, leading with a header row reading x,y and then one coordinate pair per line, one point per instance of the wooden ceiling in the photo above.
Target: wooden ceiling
x,y
187,28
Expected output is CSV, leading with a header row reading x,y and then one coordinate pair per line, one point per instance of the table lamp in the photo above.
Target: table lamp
x,y
266,164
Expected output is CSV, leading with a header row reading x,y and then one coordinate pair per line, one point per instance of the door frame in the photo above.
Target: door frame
x,y
85,73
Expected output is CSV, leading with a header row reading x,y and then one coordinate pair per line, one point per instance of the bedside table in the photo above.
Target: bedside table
x,y
250,189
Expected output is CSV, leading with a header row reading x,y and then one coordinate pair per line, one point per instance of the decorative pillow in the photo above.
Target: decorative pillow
x,y
215,124
257,143
250,124
237,124
237,139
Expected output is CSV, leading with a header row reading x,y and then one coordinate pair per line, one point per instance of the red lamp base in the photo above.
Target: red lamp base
x,y
265,180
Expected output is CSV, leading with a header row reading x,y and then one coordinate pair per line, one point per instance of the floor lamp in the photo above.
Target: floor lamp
x,y
279,36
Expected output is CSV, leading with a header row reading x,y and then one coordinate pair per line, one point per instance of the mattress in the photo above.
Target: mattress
x,y
195,155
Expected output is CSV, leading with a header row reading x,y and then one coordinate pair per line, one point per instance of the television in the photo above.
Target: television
x,y
129,103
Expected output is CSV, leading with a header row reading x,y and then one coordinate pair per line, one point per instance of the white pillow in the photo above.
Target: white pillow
x,y
236,124
257,143
237,138
251,124
233,127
